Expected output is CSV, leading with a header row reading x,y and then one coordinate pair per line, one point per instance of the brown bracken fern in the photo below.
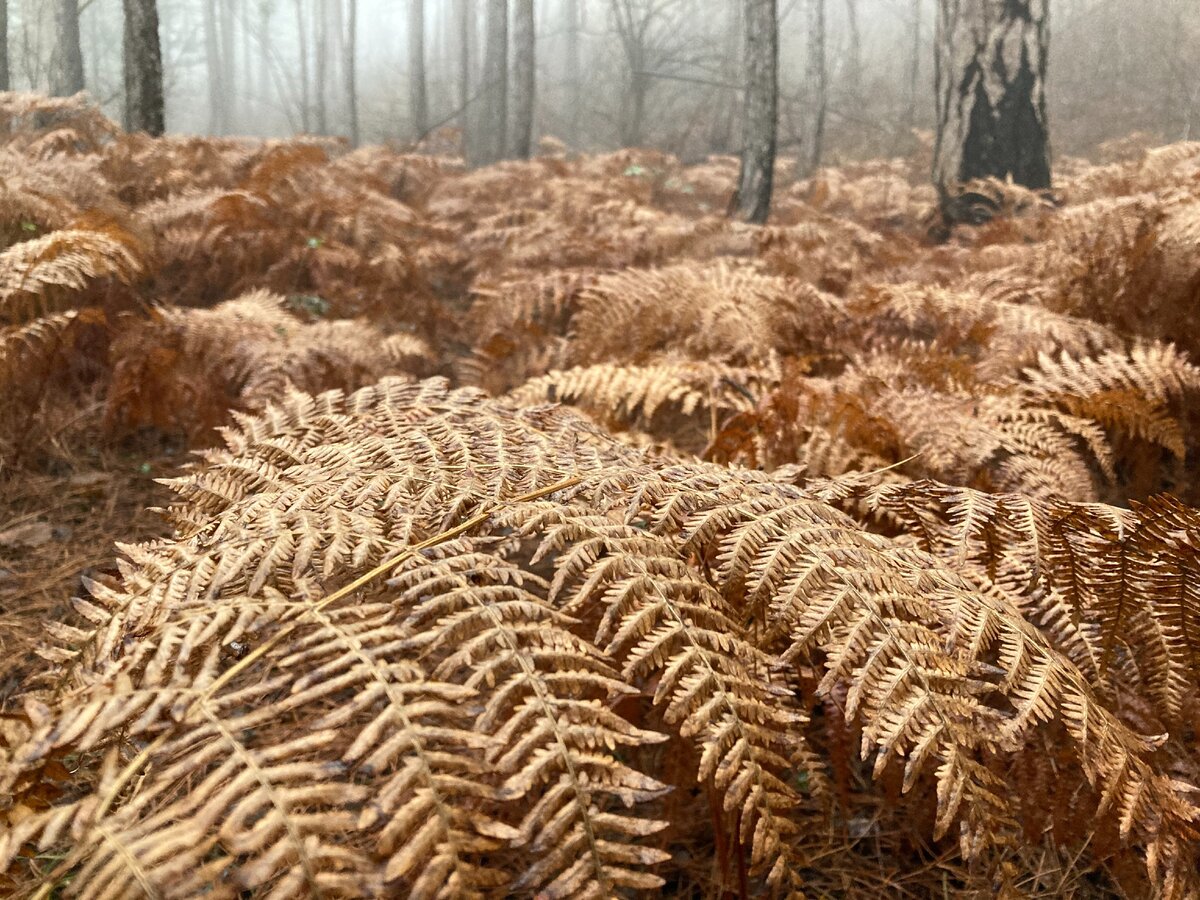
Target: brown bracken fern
x,y
552,535
410,639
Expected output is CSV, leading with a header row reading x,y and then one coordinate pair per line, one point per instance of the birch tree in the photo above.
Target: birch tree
x,y
574,67
524,79
854,63
321,61
465,19
752,202
142,64
991,102
218,107
818,78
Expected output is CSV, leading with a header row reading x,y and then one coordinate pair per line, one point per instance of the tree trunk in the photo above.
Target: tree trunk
x,y
466,24
574,65
249,88
301,34
216,74
818,76
417,93
991,101
634,119
490,124
524,79
142,60
320,35
914,68
760,113
853,51
351,51
264,57
67,72
5,78
228,70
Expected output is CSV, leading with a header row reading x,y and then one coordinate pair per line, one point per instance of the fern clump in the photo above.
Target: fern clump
x,y
412,639
564,538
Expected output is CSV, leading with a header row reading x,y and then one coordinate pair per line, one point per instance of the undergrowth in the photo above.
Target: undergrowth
x,y
553,535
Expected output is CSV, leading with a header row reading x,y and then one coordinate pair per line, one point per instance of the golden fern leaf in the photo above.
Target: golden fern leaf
x,y
547,699
212,605
910,639
1119,580
711,313
190,367
220,648
664,623
680,402
38,273
1128,393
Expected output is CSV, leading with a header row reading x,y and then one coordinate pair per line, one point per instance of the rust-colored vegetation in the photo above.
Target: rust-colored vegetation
x,y
553,535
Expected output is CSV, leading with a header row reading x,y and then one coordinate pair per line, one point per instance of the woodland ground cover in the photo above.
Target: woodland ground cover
x,y
553,534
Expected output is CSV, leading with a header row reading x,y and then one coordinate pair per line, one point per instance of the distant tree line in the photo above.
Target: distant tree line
x,y
819,80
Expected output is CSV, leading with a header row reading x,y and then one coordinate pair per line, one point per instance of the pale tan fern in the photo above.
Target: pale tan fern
x,y
36,274
385,650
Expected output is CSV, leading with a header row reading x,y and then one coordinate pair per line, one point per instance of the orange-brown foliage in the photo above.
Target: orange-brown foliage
x,y
863,564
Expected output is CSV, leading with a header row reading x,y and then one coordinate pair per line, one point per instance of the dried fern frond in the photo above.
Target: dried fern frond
x,y
1131,393
36,274
682,403
716,313
190,367
1117,579
539,573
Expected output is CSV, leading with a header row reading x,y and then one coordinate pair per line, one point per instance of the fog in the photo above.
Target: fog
x,y
278,67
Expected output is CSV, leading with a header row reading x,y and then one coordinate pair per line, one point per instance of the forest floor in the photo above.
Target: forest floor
x,y
933,499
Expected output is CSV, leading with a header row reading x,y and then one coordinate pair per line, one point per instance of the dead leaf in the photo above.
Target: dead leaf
x,y
31,534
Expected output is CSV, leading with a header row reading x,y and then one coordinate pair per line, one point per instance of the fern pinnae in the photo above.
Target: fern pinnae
x,y
662,620
545,704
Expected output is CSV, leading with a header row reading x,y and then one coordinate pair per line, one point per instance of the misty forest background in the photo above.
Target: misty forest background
x,y
271,68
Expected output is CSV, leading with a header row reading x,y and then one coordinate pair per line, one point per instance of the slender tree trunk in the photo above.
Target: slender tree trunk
x,y
216,72
760,113
249,88
853,51
228,67
524,79
142,58
91,53
67,71
351,53
466,24
335,29
5,76
574,66
441,86
991,101
635,119
263,38
914,67
490,125
418,96
305,97
320,35
818,76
